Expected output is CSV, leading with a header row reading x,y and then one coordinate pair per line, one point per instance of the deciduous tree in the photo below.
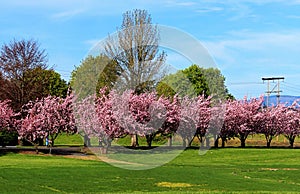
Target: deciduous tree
x,y
290,128
92,74
194,119
88,123
17,59
239,117
6,115
269,121
47,118
7,122
194,81
135,50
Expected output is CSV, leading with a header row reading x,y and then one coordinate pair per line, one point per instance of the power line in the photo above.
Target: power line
x,y
278,91
244,83
295,85
291,88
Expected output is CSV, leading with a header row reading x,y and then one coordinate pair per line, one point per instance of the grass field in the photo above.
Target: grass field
x,y
252,140
228,170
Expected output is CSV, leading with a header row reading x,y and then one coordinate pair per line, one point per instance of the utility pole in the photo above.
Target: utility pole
x,y
268,79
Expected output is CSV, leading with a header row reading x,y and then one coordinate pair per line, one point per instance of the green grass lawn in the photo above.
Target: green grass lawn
x,y
229,170
252,140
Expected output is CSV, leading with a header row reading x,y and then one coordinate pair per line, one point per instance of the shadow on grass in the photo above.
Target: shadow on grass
x,y
74,150
166,149
41,150
2,153
252,147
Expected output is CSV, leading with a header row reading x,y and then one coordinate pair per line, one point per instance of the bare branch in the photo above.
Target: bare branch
x,y
135,49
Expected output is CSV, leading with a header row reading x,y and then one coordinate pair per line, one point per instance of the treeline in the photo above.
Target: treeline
x,y
117,115
112,115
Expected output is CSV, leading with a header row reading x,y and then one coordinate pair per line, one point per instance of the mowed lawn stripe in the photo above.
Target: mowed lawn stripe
x,y
218,171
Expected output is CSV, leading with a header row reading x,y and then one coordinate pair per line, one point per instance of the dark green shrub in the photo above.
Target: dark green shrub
x,y
8,138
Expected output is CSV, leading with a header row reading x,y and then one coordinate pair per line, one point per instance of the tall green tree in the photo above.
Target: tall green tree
x,y
177,83
188,82
45,82
194,81
196,76
109,76
93,73
53,84
56,85
216,83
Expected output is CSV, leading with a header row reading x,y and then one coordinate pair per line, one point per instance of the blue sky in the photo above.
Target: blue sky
x,y
248,39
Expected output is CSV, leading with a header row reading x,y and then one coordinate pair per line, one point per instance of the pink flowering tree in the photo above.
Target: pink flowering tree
x,y
239,118
108,121
204,118
171,123
127,113
216,123
138,114
227,130
194,119
6,116
291,127
189,117
7,121
47,118
87,121
148,113
269,121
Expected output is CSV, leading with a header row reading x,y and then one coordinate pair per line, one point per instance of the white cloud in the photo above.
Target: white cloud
x,y
293,16
64,15
209,9
44,4
92,42
187,3
257,2
266,44
174,3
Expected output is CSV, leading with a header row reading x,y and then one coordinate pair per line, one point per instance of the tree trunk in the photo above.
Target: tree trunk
x,y
51,143
269,140
292,140
36,147
269,144
53,137
216,141
134,141
108,144
170,141
87,141
149,139
207,141
223,142
184,142
243,140
190,141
